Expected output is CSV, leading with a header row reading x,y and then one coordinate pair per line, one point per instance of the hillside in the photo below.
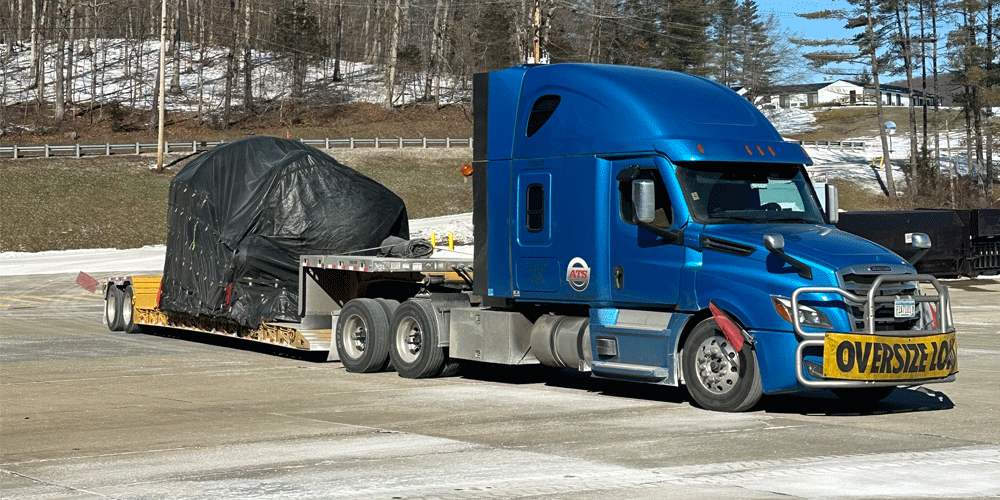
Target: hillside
x,y
113,100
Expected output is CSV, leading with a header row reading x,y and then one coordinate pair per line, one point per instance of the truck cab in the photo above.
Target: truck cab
x,y
653,226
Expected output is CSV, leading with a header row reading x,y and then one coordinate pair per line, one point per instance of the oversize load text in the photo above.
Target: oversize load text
x,y
865,357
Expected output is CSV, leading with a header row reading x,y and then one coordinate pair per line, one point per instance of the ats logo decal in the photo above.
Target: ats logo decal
x,y
578,274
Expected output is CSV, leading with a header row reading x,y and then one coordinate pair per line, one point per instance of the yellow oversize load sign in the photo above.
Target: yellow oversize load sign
x,y
868,357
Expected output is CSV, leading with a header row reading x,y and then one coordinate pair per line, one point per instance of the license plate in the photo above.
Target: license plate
x,y
905,308
868,357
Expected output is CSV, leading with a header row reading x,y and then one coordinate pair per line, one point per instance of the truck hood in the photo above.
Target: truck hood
x,y
814,244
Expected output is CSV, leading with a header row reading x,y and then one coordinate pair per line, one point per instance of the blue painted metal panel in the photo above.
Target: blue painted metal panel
x,y
526,236
499,182
776,360
639,345
505,91
611,109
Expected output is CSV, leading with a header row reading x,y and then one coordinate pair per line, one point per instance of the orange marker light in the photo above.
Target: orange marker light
x,y
771,150
749,151
466,169
701,149
761,151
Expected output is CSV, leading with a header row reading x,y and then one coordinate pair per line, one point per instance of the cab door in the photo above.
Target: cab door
x,y
645,264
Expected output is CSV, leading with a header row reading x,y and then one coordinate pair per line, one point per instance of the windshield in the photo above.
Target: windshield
x,y
721,193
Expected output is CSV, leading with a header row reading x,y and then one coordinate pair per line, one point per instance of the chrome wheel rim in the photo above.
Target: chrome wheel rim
x,y
109,308
354,336
126,312
717,365
408,340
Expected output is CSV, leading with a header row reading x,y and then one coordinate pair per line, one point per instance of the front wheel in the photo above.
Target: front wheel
x,y
717,376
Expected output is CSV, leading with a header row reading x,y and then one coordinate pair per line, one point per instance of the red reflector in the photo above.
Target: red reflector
x,y
730,330
86,281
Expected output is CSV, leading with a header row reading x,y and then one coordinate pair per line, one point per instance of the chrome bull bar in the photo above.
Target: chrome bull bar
x,y
869,302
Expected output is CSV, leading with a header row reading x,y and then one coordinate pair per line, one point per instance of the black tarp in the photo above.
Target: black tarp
x,y
242,214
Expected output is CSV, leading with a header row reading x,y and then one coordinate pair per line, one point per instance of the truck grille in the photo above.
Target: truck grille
x,y
859,280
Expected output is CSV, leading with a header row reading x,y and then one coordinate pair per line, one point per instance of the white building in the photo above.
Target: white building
x,y
839,92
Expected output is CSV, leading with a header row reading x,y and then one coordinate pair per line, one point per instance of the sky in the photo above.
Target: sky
x,y
785,11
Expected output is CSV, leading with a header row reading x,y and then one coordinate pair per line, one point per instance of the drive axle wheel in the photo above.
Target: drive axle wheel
x,y
113,308
363,336
717,376
415,352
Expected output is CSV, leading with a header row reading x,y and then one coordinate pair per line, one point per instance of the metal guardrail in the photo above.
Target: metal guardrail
x,y
80,150
834,144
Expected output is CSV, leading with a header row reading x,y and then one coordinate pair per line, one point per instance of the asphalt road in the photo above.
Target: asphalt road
x,y
87,413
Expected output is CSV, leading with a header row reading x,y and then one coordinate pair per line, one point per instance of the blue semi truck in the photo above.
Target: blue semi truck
x,y
646,226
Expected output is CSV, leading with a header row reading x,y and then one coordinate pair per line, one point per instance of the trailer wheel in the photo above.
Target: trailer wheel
x,y
113,308
415,352
717,376
389,306
363,336
128,311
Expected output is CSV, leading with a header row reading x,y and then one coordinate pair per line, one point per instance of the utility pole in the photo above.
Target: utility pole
x,y
163,95
538,31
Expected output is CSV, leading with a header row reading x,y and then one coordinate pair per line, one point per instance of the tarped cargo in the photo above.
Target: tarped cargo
x,y
240,216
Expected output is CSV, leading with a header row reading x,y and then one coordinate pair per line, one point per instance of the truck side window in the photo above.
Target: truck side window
x,y
535,209
541,112
664,214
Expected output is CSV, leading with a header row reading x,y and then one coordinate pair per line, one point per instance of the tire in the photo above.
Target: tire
x,y
113,308
128,311
414,338
389,306
449,368
362,336
864,396
714,383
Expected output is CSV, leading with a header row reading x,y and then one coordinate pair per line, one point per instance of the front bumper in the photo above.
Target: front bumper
x,y
873,358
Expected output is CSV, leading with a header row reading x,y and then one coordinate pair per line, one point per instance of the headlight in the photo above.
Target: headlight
x,y
808,316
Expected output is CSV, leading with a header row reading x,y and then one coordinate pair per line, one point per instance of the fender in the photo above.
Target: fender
x,y
733,332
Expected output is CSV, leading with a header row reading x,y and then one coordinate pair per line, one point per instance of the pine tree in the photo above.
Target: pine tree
x,y
865,47
757,60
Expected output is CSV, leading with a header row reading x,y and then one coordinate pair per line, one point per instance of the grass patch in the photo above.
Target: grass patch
x,y
61,204
853,197
117,202
428,181
961,194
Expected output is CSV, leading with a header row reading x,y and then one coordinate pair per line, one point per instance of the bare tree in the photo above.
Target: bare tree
x,y
390,66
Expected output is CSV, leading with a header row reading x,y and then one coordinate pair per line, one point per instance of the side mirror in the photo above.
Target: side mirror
x,y
644,199
832,204
922,243
774,242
